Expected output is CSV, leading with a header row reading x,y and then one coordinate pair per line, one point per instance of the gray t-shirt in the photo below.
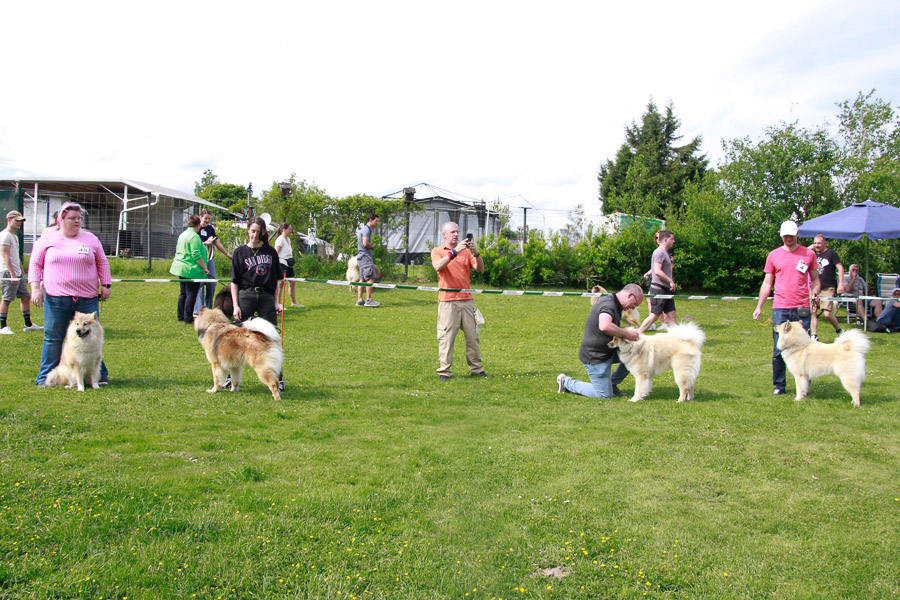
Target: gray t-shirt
x,y
595,344
366,231
11,240
662,257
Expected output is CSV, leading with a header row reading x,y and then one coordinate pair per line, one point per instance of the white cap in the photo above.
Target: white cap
x,y
789,228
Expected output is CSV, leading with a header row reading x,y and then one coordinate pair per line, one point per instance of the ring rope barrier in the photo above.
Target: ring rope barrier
x,y
427,288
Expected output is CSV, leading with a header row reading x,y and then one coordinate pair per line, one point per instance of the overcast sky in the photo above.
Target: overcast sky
x,y
513,100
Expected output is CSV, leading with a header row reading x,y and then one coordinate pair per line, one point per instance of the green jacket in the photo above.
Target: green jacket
x,y
188,251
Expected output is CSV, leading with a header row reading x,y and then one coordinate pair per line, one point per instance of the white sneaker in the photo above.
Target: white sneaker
x,y
297,305
6,331
561,382
372,303
33,327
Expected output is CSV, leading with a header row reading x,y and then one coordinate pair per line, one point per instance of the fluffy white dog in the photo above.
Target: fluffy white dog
x,y
807,359
650,355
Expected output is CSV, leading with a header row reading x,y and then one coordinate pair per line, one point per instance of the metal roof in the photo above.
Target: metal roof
x,y
63,185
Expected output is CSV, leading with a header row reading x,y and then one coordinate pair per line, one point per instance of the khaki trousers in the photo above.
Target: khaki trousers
x,y
452,316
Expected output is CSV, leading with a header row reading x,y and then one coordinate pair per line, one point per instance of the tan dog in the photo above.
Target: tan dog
x,y
632,316
807,359
82,351
229,347
352,274
678,349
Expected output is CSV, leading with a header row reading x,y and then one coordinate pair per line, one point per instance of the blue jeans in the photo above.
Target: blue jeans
x,y
207,290
601,385
890,316
779,369
58,311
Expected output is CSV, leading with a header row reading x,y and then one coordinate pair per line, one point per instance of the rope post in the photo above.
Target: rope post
x,y
283,285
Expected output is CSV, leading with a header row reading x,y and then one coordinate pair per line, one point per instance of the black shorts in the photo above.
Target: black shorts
x,y
288,271
661,305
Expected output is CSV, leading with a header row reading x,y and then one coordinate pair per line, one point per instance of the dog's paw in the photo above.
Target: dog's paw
x,y
634,399
213,390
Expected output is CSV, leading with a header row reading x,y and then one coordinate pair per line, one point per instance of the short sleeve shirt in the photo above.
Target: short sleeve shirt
x,y
15,266
791,271
456,275
206,233
595,344
364,232
662,257
827,265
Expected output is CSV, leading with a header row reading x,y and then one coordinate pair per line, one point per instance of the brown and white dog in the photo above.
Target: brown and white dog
x,y
632,315
678,349
807,359
82,351
229,347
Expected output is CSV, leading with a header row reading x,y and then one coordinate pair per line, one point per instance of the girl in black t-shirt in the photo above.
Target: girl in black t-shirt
x,y
255,273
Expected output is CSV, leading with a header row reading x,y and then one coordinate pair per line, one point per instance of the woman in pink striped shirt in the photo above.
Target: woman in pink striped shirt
x,y
67,269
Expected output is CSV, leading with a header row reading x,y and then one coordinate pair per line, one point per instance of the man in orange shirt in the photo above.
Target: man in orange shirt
x,y
453,262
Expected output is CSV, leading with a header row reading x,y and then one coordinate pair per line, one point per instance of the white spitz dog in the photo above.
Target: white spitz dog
x,y
807,359
678,349
82,352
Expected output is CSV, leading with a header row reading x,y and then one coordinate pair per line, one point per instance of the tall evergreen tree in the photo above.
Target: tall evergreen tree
x,y
649,173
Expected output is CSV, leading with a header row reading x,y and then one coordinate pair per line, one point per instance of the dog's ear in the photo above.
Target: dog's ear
x,y
787,326
93,315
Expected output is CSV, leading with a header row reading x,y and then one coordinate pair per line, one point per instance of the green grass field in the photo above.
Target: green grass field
x,y
372,479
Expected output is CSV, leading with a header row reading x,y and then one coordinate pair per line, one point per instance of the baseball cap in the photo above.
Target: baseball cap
x,y
14,214
789,228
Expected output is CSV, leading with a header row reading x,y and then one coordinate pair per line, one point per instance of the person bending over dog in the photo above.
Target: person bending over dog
x,y
595,354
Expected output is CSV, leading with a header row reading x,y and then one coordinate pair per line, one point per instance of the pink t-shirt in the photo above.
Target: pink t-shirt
x,y
791,271
69,266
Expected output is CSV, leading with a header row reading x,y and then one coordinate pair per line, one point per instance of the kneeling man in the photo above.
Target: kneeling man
x,y
596,355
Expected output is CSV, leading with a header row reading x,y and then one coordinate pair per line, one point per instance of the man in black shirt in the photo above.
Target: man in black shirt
x,y
831,275
596,355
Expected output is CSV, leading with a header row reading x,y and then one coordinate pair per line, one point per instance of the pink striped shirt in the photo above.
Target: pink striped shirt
x,y
69,266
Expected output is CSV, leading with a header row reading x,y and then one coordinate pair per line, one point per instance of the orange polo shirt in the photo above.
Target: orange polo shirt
x,y
455,275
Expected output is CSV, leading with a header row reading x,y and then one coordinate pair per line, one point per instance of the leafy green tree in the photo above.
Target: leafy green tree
x,y
650,171
789,174
869,138
229,195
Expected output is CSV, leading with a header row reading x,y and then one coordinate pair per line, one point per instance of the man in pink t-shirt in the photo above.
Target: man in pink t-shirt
x,y
793,269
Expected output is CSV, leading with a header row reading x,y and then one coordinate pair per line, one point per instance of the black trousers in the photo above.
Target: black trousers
x,y
187,298
260,303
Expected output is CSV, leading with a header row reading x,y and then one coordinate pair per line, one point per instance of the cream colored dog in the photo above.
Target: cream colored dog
x,y
807,359
82,351
632,316
678,349
352,274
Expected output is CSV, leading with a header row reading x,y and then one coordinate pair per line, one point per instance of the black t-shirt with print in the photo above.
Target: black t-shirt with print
x,y
256,267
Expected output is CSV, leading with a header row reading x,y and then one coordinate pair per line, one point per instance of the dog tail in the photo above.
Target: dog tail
x,y
262,326
689,332
854,340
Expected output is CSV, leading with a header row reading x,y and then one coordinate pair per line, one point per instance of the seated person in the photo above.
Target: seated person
x,y
890,316
854,287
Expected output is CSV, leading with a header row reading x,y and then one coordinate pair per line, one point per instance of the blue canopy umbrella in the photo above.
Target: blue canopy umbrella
x,y
874,220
